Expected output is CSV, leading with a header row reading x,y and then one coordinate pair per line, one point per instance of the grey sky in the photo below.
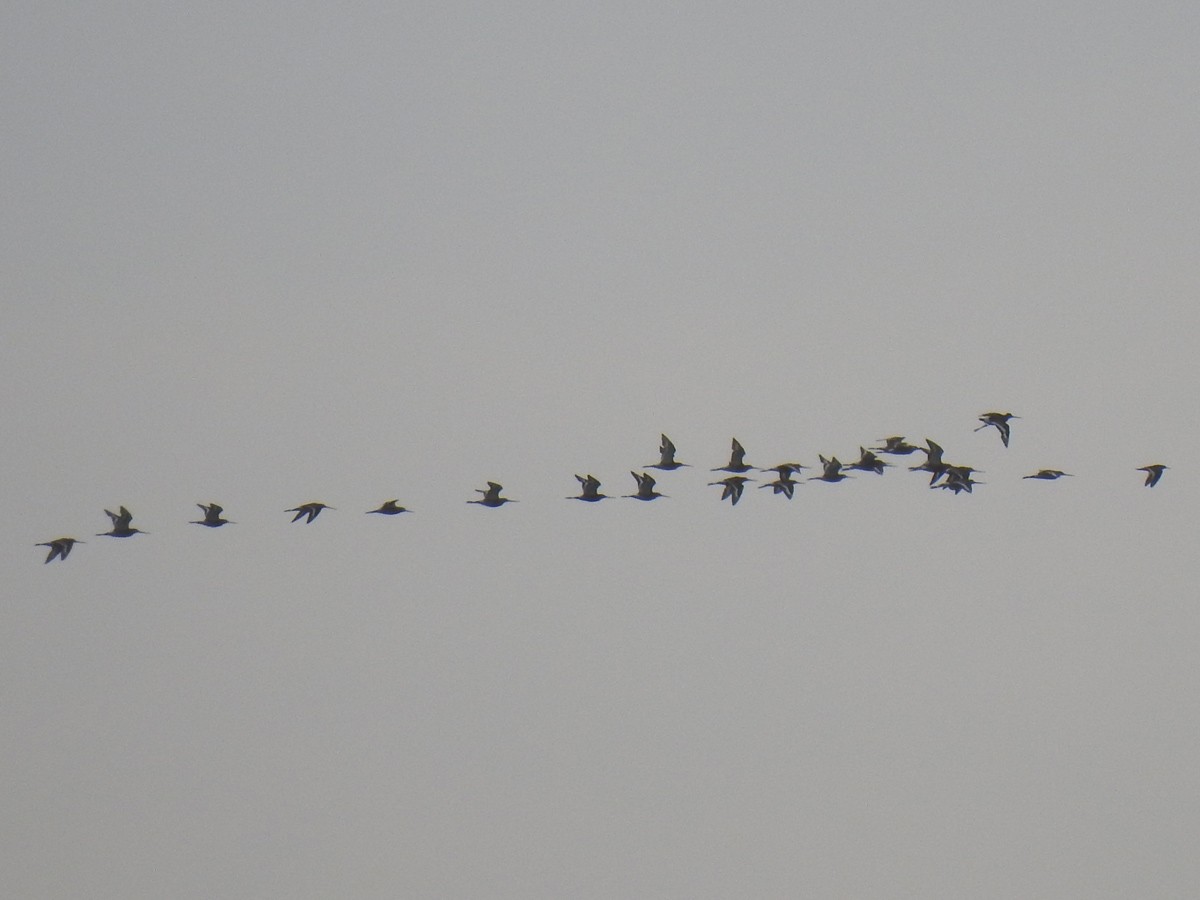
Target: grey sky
x,y
305,252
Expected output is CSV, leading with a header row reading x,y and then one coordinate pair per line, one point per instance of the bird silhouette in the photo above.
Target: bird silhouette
x,y
666,460
389,508
831,470
491,497
590,492
896,445
734,485
868,462
645,483
120,524
312,510
957,485
999,421
737,460
957,478
60,548
784,483
212,516
1048,474
933,460
1153,473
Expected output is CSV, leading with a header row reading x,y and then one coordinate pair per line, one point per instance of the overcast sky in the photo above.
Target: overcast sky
x,y
269,254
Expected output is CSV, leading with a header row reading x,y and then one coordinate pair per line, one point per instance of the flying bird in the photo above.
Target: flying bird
x,y
60,548
832,470
958,478
737,460
666,461
212,516
734,485
933,460
1048,474
999,421
389,508
120,524
958,485
784,483
868,462
312,510
645,483
785,469
590,489
491,497
1153,473
896,445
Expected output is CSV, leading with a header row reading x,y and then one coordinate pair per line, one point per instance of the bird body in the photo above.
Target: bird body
x,y
1153,473
933,460
1048,474
734,485
897,445
737,460
491,497
212,516
958,478
868,462
999,421
389,508
666,456
831,470
590,489
60,548
645,483
312,510
784,483
120,524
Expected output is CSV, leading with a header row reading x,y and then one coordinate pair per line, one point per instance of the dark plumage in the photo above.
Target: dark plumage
x,y
491,497
1153,473
645,483
312,510
120,524
60,548
734,485
389,508
589,489
212,516
666,456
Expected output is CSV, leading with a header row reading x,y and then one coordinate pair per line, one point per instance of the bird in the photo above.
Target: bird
x,y
734,485
120,524
666,459
896,445
1048,474
958,478
999,421
786,469
737,460
868,462
491,497
832,470
312,510
389,508
784,483
933,460
212,516
1153,473
60,548
957,484
645,483
590,492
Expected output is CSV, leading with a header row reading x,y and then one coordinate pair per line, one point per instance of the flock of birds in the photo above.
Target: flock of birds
x,y
943,475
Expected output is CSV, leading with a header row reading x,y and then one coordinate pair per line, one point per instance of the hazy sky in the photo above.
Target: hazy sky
x,y
344,252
